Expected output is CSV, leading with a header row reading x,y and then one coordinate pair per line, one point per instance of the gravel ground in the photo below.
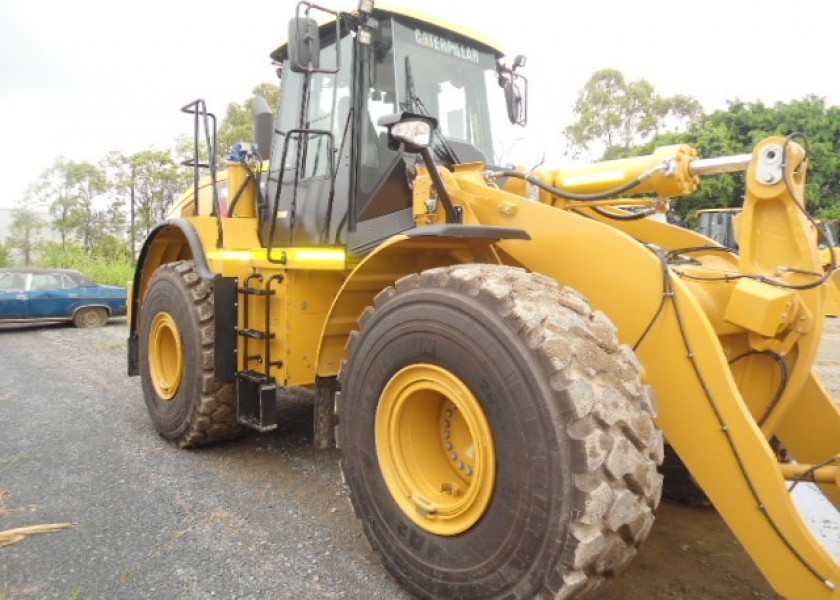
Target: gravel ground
x,y
264,517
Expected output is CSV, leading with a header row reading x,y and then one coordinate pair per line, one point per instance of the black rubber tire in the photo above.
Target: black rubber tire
x,y
679,486
576,445
90,316
203,411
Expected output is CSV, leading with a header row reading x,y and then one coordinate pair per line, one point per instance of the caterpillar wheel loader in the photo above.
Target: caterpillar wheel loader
x,y
500,354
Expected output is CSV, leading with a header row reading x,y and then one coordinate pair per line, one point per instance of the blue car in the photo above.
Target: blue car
x,y
29,295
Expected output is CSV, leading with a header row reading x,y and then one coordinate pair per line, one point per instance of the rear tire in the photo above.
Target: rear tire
x,y
90,316
186,403
571,427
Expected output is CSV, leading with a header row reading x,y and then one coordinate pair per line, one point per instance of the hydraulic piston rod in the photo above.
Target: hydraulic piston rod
x,y
721,164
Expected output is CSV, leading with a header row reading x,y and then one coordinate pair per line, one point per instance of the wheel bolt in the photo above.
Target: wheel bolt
x,y
454,456
449,445
447,423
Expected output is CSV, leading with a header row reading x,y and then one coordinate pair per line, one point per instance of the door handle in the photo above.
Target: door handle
x,y
21,297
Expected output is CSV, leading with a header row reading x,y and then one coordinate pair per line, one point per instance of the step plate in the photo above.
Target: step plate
x,y
257,401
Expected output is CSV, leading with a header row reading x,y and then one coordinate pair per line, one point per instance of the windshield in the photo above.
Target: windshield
x,y
455,81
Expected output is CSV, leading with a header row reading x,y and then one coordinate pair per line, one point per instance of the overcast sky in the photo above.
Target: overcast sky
x,y
82,78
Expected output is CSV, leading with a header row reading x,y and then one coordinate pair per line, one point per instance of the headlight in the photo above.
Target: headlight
x,y
415,132
412,130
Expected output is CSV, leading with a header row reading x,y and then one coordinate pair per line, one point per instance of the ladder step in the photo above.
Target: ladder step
x,y
249,291
257,335
256,401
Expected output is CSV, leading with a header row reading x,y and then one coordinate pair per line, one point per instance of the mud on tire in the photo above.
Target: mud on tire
x,y
576,446
203,410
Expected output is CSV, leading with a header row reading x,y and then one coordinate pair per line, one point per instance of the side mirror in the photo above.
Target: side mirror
x,y
516,88
412,130
304,45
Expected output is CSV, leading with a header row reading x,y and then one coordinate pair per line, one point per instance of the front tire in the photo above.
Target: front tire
x,y
563,482
186,403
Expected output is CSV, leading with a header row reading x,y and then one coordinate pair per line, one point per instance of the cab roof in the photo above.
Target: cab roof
x,y
381,9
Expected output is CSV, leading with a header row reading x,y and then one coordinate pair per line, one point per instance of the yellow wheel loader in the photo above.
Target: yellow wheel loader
x,y
500,354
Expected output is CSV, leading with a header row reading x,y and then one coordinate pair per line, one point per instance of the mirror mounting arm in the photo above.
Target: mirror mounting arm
x,y
454,214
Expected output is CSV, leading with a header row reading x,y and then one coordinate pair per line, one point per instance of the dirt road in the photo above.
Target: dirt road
x,y
264,517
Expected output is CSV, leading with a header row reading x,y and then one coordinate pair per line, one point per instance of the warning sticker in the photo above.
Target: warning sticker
x,y
434,42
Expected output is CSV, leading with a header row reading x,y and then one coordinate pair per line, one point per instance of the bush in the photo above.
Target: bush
x,y
113,270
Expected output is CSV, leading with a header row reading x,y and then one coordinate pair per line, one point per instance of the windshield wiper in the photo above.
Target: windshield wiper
x,y
415,103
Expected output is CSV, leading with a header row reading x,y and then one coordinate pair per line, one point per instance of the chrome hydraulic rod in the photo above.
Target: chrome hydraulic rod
x,y
721,164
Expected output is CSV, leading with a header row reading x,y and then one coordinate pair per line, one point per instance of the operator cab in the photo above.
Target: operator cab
x,y
334,177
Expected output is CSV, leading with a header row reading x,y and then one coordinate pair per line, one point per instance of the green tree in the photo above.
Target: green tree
x,y
85,183
238,124
5,256
72,190
149,180
737,129
158,181
613,115
23,233
54,189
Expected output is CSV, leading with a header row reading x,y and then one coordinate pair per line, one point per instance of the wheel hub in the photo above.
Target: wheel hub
x,y
435,449
166,357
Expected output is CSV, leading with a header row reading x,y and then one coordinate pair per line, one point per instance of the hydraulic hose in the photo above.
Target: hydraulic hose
x,y
555,191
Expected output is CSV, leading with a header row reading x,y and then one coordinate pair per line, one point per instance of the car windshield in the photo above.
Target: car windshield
x,y
455,81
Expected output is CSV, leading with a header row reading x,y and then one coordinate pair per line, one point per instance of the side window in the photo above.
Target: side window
x,y
381,101
328,110
13,281
45,282
68,283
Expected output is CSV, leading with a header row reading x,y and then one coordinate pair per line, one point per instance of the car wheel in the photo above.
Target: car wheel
x,y
495,436
90,316
187,404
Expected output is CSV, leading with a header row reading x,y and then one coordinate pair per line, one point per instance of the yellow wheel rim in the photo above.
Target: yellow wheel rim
x,y
166,357
435,449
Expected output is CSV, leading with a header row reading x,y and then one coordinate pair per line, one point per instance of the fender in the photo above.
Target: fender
x,y
411,252
174,239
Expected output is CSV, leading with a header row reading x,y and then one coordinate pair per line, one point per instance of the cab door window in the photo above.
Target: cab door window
x,y
328,107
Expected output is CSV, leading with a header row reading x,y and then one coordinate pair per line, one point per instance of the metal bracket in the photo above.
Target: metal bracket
x,y
770,168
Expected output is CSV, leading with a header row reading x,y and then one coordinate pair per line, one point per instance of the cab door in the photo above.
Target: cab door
x,y
307,192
